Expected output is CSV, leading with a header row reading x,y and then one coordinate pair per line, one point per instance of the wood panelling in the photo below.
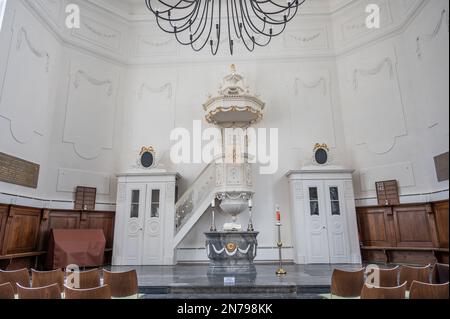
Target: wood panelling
x,y
441,218
413,227
3,217
22,230
100,220
412,233
375,228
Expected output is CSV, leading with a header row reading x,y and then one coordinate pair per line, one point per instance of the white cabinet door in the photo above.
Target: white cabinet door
x,y
315,210
336,222
133,223
153,245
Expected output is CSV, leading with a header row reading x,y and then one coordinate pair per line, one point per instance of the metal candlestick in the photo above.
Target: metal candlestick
x,y
280,271
250,221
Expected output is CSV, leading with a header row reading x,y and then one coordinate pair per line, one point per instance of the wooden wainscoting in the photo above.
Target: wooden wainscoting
x,y
25,232
410,233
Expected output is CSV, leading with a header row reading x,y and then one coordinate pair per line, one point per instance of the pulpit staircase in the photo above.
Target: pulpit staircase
x,y
194,202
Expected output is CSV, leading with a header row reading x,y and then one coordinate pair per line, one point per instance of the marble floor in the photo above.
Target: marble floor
x,y
190,281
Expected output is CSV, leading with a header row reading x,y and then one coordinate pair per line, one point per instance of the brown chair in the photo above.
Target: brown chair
x,y
122,284
409,274
83,279
421,290
6,291
382,277
374,292
21,277
103,292
347,284
440,274
47,292
47,278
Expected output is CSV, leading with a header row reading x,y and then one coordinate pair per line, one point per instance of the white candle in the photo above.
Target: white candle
x,y
213,203
250,203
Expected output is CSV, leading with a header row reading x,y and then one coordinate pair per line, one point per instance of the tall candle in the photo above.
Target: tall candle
x,y
250,203
278,214
213,203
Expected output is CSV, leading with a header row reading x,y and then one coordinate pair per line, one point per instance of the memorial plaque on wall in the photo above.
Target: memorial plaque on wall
x,y
387,193
85,198
17,171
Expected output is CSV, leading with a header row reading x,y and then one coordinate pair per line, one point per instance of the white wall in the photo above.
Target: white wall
x,y
118,83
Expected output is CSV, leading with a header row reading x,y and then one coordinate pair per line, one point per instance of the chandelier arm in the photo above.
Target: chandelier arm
x,y
149,6
230,40
210,28
269,17
283,8
256,7
191,38
245,29
218,29
189,23
236,21
171,31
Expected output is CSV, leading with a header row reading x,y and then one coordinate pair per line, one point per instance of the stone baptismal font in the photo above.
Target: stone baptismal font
x,y
232,247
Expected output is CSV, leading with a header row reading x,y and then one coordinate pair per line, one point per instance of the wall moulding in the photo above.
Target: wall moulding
x,y
91,111
385,105
315,105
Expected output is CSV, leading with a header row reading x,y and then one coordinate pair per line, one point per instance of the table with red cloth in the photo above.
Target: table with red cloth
x,y
81,247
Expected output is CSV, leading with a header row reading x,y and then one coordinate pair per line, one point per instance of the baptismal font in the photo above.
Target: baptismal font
x,y
232,248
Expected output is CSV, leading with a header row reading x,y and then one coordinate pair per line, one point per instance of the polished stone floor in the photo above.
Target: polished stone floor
x,y
190,281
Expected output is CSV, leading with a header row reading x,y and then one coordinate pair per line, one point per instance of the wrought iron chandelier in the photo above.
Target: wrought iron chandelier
x,y
198,23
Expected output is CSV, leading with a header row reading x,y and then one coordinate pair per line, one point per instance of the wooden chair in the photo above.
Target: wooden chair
x,y
47,292
47,278
382,277
6,291
409,274
421,290
122,284
83,279
374,292
103,292
347,284
14,277
440,274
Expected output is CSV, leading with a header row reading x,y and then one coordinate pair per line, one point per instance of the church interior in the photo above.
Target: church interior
x,y
174,149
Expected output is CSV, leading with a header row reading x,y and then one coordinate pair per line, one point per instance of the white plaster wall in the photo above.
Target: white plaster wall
x,y
118,83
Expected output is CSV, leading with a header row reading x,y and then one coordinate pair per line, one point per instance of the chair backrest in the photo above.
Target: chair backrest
x,y
440,274
347,284
83,279
103,292
382,277
374,292
47,278
122,284
47,292
14,277
421,290
6,291
409,274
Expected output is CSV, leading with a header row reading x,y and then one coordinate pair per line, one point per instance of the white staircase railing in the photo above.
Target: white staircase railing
x,y
194,202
